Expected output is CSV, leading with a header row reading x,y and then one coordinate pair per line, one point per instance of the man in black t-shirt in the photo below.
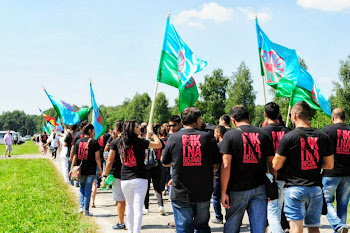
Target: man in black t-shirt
x,y
193,155
337,180
44,138
303,151
276,131
242,176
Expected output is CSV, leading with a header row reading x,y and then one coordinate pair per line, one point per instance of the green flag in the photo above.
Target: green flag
x,y
177,66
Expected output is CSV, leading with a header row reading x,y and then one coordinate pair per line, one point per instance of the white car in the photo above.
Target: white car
x,y
2,135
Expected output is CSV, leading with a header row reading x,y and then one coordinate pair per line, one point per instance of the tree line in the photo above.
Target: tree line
x,y
218,93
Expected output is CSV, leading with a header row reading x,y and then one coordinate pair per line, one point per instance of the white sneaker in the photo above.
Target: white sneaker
x,y
161,210
145,211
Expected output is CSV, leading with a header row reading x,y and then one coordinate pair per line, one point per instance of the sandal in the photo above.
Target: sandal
x,y
93,206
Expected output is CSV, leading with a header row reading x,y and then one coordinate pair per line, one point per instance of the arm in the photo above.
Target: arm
x,y
105,149
71,154
98,161
109,163
328,162
215,167
269,165
74,159
278,161
225,177
156,144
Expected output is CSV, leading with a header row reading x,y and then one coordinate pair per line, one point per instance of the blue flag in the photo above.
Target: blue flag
x,y
68,113
98,121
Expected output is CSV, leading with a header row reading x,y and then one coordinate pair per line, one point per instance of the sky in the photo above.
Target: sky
x,y
61,44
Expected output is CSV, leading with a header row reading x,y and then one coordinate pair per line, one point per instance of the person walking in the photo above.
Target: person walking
x,y
304,151
194,157
64,156
276,131
246,151
337,180
54,144
87,154
43,138
114,163
8,143
134,181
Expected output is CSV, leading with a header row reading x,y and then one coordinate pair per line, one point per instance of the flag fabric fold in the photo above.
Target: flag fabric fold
x,y
98,121
282,71
49,119
177,66
68,113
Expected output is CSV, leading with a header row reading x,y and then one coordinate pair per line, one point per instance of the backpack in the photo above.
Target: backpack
x,y
151,159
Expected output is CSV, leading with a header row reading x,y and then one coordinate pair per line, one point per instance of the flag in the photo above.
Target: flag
x,y
282,71
98,121
45,129
50,127
59,127
49,119
68,114
178,65
279,65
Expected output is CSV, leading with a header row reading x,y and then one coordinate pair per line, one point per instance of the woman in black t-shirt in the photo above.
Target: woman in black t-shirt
x,y
87,155
134,182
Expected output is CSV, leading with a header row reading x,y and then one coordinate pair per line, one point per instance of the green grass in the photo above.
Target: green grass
x,y
27,148
34,198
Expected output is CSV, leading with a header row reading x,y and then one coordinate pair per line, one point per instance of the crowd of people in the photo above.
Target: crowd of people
x,y
283,178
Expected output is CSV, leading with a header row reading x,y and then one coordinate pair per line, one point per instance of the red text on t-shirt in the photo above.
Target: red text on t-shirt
x,y
307,160
191,150
276,138
130,159
83,151
248,153
343,142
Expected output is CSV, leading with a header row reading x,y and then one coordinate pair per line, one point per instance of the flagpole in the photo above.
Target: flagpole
x,y
262,77
152,107
289,108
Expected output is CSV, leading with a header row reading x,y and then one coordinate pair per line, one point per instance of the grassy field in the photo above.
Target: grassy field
x,y
27,148
33,198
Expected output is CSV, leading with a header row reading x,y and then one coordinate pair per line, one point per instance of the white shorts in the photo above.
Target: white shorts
x,y
118,194
9,148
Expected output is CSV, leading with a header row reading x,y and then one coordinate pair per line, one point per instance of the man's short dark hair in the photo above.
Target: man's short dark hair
x,y
225,118
221,129
303,110
190,115
175,118
83,124
239,113
272,110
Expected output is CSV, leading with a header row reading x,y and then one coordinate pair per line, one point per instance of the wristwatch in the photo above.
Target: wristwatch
x,y
104,176
151,133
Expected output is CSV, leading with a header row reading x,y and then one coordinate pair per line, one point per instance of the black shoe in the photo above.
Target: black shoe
x,y
119,226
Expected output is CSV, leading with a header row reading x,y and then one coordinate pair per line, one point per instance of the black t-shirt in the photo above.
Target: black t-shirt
x,y
246,173
192,154
117,165
217,173
340,138
301,168
77,136
276,132
88,166
134,161
110,139
44,138
68,139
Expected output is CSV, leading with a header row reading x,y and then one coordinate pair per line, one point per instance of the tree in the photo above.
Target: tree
x,y
175,109
241,91
259,115
342,87
213,96
137,107
161,110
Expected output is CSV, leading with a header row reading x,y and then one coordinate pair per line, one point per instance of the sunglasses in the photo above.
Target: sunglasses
x,y
172,125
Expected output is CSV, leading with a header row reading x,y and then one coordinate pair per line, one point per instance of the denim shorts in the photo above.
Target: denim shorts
x,y
304,203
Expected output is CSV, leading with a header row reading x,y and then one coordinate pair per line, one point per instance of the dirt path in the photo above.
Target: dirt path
x,y
105,213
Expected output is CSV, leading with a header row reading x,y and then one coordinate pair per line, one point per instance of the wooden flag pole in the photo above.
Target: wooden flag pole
x,y
289,108
152,107
263,84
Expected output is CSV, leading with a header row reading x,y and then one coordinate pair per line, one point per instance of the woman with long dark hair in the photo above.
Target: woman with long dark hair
x,y
134,182
87,155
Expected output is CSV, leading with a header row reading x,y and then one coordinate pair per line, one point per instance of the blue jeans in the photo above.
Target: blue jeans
x,y
191,217
217,199
341,186
304,203
252,200
85,191
274,209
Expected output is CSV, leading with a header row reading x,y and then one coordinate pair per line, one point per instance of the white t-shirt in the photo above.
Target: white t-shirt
x,y
8,139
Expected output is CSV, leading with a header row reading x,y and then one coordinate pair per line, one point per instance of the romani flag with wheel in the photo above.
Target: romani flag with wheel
x,y
282,71
177,66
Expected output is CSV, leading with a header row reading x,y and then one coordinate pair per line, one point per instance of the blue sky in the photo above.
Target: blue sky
x,y
62,44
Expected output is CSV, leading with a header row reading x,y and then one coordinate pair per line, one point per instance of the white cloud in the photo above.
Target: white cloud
x,y
209,11
325,5
219,14
263,15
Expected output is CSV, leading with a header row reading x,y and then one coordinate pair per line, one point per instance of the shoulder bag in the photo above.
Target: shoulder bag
x,y
76,170
271,186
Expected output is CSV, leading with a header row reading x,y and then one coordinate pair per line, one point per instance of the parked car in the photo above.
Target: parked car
x,y
27,138
20,139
